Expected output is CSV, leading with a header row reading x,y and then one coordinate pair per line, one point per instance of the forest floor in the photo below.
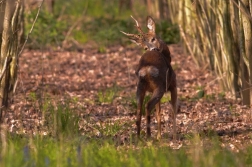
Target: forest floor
x,y
101,87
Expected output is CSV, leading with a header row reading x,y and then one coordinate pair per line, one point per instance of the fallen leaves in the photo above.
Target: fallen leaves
x,y
79,78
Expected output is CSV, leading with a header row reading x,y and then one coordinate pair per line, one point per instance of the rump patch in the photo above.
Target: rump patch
x,y
150,70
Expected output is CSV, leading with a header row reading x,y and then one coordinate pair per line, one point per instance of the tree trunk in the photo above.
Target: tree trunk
x,y
235,46
161,7
10,36
247,48
125,4
49,4
232,34
1,22
152,8
250,53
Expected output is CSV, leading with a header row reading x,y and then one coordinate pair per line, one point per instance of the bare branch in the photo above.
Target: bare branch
x,y
243,9
39,8
75,24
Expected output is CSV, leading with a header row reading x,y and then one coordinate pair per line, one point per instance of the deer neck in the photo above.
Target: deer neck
x,y
165,51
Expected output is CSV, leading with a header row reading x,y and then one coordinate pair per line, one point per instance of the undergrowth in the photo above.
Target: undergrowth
x,y
85,21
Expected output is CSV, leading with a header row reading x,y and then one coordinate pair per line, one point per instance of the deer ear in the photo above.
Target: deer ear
x,y
151,25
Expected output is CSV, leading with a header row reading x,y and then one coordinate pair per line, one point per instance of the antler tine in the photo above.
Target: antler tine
x,y
135,20
137,25
126,33
131,36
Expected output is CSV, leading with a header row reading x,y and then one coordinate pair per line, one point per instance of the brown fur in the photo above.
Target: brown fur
x,y
157,85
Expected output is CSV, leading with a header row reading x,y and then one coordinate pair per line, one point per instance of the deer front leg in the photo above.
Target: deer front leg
x,y
140,97
174,110
158,115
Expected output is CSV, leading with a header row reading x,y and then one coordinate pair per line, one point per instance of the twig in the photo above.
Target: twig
x,y
242,9
187,44
39,8
75,24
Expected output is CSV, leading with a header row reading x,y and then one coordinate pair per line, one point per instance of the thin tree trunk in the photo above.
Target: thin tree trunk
x,y
172,9
235,46
246,42
6,38
49,4
250,53
161,9
9,50
1,22
149,6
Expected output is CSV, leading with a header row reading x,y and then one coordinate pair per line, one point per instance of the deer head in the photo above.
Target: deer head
x,y
137,39
149,40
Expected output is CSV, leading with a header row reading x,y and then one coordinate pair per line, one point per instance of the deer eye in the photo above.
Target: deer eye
x,y
145,48
153,39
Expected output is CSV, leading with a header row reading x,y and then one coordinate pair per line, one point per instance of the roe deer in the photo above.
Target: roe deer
x,y
155,75
149,41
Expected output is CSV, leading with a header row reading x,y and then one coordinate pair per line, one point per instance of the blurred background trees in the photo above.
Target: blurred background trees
x,y
31,5
69,25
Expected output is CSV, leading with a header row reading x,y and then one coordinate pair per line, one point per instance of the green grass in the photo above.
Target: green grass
x,y
66,146
108,95
78,151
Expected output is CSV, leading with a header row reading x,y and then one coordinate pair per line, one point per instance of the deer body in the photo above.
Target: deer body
x,y
155,75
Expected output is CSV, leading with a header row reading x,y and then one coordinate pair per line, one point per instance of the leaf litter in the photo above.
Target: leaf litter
x,y
100,88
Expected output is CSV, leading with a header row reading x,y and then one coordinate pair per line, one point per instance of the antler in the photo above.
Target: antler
x,y
136,38
131,36
137,26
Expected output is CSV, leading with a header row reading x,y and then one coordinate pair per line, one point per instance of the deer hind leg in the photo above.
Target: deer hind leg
x,y
155,99
174,103
140,97
158,115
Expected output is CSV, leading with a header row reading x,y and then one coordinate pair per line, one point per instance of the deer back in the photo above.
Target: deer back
x,y
155,70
